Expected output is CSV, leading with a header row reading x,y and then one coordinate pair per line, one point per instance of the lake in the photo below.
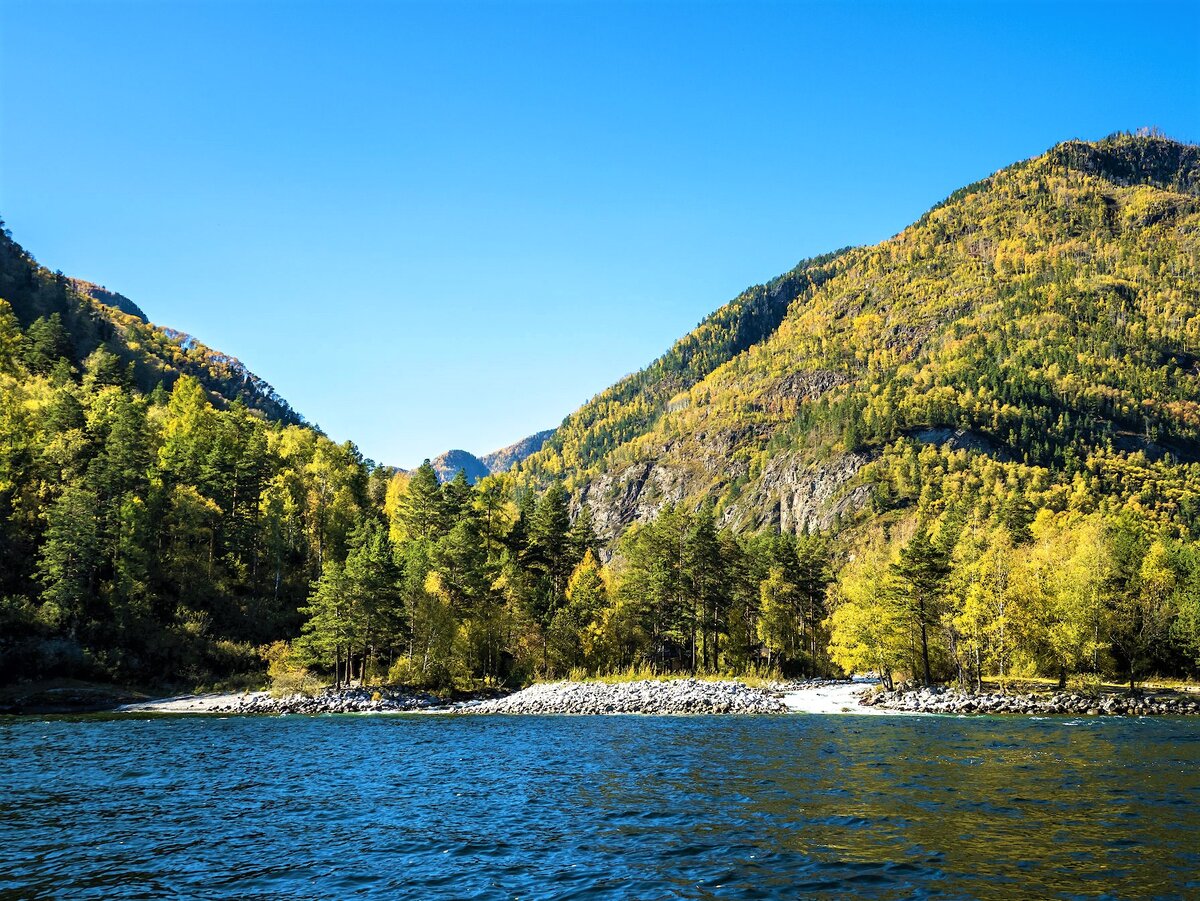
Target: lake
x,y
599,807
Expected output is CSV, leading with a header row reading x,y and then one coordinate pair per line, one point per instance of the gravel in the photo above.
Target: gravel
x,y
952,701
647,696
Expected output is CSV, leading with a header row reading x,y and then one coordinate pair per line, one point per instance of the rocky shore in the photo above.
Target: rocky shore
x,y
684,696
952,701
261,703
647,696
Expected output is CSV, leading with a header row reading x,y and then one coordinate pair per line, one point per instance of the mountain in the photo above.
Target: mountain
x,y
448,465
89,317
992,419
1040,327
507,457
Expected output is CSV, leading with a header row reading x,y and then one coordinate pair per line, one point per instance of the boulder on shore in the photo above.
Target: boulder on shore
x,y
1059,703
645,696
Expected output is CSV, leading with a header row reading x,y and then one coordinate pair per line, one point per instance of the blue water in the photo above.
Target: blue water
x,y
599,807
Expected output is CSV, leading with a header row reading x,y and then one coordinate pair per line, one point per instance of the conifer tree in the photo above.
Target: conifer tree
x,y
421,510
919,582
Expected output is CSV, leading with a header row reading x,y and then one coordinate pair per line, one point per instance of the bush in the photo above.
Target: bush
x,y
435,676
288,677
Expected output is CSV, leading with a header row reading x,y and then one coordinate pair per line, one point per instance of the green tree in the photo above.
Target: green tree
x,y
868,629
372,584
421,512
778,624
1145,611
573,631
919,582
46,344
329,627
704,577
71,554
11,340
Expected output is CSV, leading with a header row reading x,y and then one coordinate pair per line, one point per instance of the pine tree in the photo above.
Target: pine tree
x,y
328,630
703,571
46,344
421,511
920,583
70,558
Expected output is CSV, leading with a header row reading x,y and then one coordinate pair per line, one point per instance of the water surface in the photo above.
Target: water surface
x,y
599,807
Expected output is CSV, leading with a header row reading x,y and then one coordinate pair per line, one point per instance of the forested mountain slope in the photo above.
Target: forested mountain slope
x,y
969,452
72,318
1039,329
507,457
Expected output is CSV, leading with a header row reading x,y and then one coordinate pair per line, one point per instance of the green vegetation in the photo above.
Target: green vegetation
x,y
1050,313
1082,597
971,452
69,320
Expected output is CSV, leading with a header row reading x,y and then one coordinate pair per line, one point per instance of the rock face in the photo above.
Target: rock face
x,y
648,696
936,700
795,496
790,494
633,494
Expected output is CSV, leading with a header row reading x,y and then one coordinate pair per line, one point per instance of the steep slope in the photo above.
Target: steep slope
x,y
1045,319
635,404
102,295
507,457
94,317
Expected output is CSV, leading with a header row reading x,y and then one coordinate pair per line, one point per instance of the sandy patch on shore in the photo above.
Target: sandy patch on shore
x,y
837,698
191,703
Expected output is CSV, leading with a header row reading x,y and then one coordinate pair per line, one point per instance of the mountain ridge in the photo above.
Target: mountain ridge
x,y
447,465
93,318
785,429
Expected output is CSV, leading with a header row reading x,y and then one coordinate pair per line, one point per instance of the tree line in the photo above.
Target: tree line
x,y
1077,597
460,585
157,537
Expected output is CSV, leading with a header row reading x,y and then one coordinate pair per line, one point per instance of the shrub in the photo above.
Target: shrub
x,y
288,677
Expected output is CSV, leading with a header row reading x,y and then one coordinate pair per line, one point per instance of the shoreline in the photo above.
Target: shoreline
x,y
836,697
669,697
263,703
953,702
860,696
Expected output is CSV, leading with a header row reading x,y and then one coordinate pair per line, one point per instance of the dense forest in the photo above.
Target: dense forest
x,y
1049,313
968,453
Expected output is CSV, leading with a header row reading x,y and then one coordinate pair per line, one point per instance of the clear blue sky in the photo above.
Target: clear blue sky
x,y
449,224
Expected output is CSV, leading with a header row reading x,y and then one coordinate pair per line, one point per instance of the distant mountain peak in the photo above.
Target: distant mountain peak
x,y
448,465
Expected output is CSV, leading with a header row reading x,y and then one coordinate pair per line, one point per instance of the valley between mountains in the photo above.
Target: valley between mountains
x,y
969,454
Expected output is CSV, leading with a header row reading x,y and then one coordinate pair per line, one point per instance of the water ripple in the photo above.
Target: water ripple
x,y
620,807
